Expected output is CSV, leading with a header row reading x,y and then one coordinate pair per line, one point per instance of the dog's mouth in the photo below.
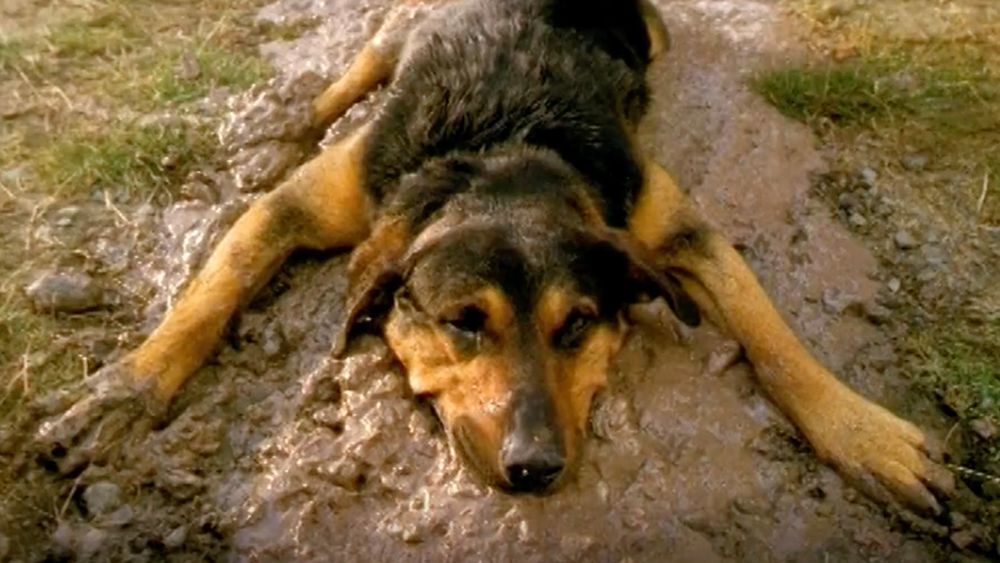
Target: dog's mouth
x,y
464,440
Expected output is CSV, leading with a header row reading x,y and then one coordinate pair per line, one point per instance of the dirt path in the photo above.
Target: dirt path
x,y
278,453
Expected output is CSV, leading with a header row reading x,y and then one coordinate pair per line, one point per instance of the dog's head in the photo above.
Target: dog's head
x,y
500,289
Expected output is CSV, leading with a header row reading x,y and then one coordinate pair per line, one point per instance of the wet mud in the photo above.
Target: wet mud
x,y
275,451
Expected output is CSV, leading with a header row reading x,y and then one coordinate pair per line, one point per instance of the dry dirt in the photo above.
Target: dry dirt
x,y
276,452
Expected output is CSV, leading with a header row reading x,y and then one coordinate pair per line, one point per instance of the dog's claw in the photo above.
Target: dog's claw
x,y
91,419
888,457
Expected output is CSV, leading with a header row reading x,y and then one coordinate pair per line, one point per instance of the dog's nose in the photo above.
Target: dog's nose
x,y
530,466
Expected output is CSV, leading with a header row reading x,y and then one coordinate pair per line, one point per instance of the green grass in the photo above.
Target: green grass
x,y
30,360
214,68
960,363
111,33
126,158
959,97
11,52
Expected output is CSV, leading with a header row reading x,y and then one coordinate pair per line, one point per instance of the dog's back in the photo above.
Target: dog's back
x,y
562,75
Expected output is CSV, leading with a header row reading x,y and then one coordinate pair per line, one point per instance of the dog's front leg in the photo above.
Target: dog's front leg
x,y
865,442
321,206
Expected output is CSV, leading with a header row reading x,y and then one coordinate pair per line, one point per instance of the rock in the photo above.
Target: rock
x,y
914,162
180,483
991,489
119,518
985,428
176,538
894,285
189,68
66,216
958,520
867,177
857,220
904,240
934,254
91,542
875,312
722,357
4,547
102,498
848,202
64,536
836,301
963,539
65,292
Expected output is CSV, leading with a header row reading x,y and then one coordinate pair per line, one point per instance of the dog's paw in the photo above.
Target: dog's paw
x,y
92,419
884,455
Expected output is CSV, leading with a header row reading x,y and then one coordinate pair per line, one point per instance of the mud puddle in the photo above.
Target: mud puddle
x,y
277,452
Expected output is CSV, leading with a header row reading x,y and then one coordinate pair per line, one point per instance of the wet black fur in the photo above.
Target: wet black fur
x,y
491,77
514,117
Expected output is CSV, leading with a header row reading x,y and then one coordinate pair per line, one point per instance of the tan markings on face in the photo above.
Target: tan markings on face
x,y
471,389
577,373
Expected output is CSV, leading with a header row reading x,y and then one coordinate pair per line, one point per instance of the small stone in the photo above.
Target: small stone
x,y
857,220
722,357
12,175
963,539
64,536
176,538
119,518
867,176
958,520
985,428
412,534
848,202
915,162
894,285
181,484
904,240
836,301
91,542
991,489
102,498
189,69
65,292
875,312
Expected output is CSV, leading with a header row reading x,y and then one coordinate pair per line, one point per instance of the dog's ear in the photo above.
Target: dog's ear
x,y
380,265
374,274
645,278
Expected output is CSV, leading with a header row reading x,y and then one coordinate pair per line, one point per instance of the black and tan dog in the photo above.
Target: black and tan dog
x,y
503,216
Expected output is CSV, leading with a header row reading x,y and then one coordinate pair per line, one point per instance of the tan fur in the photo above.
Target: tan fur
x,y
321,206
860,438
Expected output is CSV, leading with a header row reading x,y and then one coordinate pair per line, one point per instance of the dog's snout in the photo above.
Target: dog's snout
x,y
530,468
532,456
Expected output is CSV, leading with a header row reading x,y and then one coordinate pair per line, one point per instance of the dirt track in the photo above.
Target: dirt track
x,y
278,453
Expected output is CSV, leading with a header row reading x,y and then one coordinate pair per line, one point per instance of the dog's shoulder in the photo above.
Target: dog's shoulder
x,y
543,73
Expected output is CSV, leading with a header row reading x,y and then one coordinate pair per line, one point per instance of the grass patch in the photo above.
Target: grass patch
x,y
961,364
112,32
127,159
955,99
185,76
28,362
11,52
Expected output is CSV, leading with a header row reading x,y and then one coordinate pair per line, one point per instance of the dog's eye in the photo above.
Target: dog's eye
x,y
469,320
574,330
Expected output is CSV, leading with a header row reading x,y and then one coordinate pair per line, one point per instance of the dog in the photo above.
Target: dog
x,y
502,217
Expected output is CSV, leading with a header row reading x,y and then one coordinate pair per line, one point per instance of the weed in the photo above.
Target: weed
x,y
127,158
961,364
184,76
110,33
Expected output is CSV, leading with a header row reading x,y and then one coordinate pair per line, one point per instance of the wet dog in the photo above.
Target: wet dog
x,y
502,217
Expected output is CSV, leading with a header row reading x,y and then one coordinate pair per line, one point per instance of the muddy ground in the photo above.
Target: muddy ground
x,y
276,452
